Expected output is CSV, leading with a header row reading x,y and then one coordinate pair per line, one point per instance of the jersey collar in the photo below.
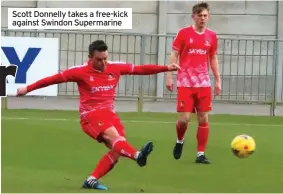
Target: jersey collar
x,y
89,64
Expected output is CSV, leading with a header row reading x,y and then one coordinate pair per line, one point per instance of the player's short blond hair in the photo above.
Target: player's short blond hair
x,y
199,7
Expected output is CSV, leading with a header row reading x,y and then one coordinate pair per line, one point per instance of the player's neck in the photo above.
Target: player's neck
x,y
198,29
93,67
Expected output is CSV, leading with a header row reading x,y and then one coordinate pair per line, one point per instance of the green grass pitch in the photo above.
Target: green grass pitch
x,y
43,154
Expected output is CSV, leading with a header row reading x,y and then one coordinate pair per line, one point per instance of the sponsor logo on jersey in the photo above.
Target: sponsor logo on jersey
x,y
102,88
197,51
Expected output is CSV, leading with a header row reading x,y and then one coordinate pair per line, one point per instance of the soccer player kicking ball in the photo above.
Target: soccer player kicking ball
x,y
195,47
97,80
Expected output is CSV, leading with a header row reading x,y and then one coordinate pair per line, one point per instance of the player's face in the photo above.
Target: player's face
x,y
201,18
99,60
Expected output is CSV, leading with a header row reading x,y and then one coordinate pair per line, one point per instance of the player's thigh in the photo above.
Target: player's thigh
x,y
96,124
203,99
110,136
116,132
89,128
117,123
185,100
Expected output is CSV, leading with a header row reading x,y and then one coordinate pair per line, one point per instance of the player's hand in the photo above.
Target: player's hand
x,y
22,91
173,67
169,83
217,88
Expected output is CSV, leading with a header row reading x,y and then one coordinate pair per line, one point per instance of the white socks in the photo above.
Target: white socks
x,y
137,155
200,154
91,178
180,141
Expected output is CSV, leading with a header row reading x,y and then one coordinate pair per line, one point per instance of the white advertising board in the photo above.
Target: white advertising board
x,y
36,58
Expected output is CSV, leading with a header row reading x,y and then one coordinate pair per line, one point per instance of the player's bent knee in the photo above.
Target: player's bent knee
x,y
111,138
117,139
184,118
110,135
182,123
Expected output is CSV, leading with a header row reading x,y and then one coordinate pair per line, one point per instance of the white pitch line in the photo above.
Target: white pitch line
x,y
144,121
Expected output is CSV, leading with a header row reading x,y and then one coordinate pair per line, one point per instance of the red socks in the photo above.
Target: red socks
x,y
106,163
124,148
181,128
202,136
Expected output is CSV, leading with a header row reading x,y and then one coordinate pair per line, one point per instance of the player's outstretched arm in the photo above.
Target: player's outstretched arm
x,y
153,69
47,81
65,76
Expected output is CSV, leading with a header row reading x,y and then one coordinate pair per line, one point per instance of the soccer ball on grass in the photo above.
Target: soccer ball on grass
x,y
243,146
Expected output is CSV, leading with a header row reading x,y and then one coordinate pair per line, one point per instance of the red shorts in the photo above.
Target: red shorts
x,y
194,99
95,123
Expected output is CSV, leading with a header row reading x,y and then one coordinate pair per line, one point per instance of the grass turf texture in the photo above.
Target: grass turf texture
x,y
55,155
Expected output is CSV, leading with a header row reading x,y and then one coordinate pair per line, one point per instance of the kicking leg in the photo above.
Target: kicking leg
x,y
120,145
114,139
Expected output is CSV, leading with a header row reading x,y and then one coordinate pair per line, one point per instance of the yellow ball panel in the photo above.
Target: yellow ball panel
x,y
243,146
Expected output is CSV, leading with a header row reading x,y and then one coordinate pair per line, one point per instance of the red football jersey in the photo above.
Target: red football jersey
x,y
194,51
97,89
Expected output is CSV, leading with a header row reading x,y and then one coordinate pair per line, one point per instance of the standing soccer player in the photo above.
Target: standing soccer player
x,y
97,80
195,47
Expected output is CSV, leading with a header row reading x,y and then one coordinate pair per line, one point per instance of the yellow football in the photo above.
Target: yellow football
x,y
243,146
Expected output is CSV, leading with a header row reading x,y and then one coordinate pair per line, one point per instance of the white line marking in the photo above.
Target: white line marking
x,y
143,121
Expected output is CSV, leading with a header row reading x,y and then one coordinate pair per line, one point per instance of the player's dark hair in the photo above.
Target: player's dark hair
x,y
199,7
98,45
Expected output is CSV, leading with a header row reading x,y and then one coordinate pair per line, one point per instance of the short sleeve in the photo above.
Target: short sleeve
x,y
214,46
71,74
178,41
